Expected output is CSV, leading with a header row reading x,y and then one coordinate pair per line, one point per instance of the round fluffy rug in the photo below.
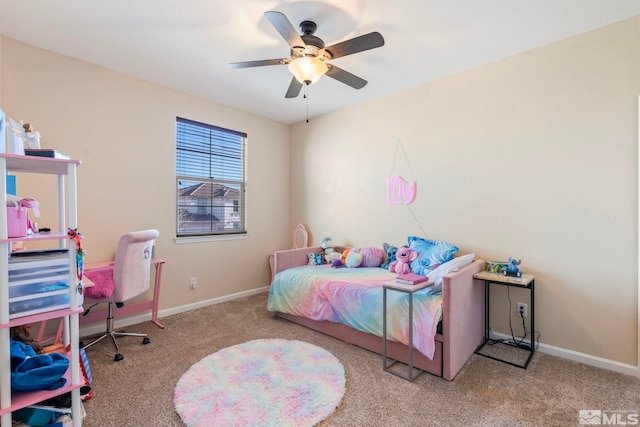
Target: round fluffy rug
x,y
266,382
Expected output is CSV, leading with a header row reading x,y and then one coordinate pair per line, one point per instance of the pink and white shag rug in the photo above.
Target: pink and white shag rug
x,y
265,382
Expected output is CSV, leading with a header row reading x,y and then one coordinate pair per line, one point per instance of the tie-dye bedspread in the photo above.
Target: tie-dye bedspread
x,y
353,296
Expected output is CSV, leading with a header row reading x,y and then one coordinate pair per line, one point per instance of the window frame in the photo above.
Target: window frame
x,y
232,211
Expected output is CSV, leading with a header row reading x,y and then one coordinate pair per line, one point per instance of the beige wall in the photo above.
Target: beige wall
x,y
123,131
533,156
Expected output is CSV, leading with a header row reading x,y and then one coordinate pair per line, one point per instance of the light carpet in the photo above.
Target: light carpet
x,y
264,382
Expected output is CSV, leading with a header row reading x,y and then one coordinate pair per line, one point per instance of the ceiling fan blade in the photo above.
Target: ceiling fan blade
x,y
346,77
260,63
355,45
294,88
284,27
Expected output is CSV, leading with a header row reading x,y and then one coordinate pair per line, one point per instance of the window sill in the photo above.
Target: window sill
x,y
216,238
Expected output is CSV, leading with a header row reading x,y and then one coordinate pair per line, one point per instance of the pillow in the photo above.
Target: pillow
x,y
455,264
371,256
431,253
354,259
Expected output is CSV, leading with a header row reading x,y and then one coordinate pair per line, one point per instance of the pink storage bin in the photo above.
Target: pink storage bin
x,y
17,221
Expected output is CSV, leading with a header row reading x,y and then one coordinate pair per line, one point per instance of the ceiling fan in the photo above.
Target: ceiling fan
x,y
309,56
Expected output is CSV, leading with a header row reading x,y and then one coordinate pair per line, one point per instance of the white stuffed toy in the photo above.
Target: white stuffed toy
x,y
312,259
329,254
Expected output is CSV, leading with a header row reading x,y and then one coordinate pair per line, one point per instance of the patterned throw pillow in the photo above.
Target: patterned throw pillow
x,y
371,256
431,253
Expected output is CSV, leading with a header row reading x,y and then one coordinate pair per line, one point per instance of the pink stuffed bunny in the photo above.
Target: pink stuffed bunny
x,y
402,264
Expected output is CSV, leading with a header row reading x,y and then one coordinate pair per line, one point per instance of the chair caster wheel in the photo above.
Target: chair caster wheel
x,y
146,340
118,357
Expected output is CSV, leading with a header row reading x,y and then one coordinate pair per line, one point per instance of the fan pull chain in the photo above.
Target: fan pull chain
x,y
307,98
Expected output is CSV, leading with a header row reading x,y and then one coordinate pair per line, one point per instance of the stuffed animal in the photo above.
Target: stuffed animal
x,y
391,255
337,263
333,256
512,269
354,258
345,253
329,253
319,259
326,243
402,264
371,256
312,259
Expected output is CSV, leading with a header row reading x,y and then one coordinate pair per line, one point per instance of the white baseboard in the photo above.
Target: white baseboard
x,y
587,359
97,328
212,301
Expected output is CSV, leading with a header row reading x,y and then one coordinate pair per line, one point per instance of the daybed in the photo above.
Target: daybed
x,y
457,313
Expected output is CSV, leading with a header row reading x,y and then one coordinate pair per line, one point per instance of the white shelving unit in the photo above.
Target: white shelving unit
x,y
64,170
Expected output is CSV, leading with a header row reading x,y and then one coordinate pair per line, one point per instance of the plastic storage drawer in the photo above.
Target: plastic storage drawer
x,y
38,285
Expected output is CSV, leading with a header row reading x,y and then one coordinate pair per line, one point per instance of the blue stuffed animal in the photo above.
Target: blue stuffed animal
x,y
512,269
391,255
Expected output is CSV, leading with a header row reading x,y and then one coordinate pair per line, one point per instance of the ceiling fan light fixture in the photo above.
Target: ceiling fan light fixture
x,y
307,69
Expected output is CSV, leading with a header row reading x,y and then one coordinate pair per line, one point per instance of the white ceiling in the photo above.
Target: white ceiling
x,y
187,44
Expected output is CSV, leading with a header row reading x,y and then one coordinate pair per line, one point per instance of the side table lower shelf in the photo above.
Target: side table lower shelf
x,y
526,281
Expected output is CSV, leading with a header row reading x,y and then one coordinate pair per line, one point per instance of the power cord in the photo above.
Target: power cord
x,y
519,341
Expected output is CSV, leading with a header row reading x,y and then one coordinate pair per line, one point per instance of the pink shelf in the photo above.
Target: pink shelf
x,y
35,318
23,399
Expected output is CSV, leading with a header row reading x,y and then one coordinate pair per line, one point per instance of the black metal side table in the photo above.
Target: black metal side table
x,y
526,281
412,373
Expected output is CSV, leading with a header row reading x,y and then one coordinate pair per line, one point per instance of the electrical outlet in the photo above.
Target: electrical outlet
x,y
193,283
522,309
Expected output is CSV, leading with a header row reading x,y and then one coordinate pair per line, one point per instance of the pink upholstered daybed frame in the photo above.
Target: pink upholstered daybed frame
x,y
462,319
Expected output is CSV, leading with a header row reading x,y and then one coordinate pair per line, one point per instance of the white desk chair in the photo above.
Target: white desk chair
x,y
128,276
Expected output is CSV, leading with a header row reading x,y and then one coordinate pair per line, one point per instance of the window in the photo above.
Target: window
x,y
210,180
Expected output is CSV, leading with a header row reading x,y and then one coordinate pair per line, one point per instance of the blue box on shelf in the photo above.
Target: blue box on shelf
x,y
11,185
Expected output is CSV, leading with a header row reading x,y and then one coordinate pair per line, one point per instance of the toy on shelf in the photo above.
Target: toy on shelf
x,y
76,236
31,136
512,269
497,266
